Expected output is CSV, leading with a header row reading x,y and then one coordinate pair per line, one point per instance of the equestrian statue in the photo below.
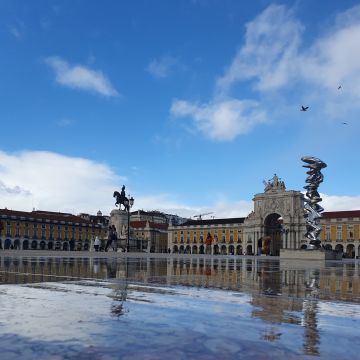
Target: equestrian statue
x,y
121,199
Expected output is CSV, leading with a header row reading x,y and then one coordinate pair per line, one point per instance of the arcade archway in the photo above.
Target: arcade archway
x,y
273,231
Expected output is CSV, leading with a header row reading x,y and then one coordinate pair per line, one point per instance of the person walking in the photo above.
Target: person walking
x,y
97,243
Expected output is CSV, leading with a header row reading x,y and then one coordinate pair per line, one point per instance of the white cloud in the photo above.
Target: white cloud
x,y
273,55
274,58
220,209
340,202
50,181
161,68
80,77
16,32
65,122
54,182
272,40
222,120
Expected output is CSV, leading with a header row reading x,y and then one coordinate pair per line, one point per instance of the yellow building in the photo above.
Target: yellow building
x,y
340,231
47,230
277,222
215,236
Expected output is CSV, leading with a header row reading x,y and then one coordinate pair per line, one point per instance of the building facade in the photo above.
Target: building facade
x,y
149,229
45,230
277,222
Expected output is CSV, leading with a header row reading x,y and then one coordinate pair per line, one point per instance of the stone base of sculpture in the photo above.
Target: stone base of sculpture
x,y
119,218
310,255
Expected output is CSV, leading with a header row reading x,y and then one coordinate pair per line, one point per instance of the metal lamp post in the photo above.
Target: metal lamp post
x,y
128,204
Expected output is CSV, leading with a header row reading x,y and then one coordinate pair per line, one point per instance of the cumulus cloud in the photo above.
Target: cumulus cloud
x,y
275,61
220,209
340,202
161,68
55,182
272,40
80,77
223,120
50,181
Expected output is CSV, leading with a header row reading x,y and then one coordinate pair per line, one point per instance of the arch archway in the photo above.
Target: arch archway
x,y
65,246
216,250
339,248
201,249
249,250
25,244
86,245
188,249
175,249
7,244
223,250
231,250
273,230
181,250
50,245
17,244
194,249
350,251
42,245
328,247
239,250
34,245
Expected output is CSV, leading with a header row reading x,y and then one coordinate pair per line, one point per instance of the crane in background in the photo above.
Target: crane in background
x,y
199,217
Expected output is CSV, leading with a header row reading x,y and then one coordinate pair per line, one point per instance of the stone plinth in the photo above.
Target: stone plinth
x,y
119,218
309,255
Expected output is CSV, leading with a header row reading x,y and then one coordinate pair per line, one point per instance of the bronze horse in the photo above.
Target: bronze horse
x,y
121,199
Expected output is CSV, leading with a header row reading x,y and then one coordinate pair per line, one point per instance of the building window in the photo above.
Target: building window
x,y
338,232
328,233
350,232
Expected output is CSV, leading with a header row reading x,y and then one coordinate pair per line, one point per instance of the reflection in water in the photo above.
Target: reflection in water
x,y
278,295
310,308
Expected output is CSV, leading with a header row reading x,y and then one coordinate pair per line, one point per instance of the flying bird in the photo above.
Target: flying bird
x,y
339,87
345,123
304,108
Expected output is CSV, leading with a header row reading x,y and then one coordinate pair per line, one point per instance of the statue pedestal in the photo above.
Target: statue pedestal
x,y
119,218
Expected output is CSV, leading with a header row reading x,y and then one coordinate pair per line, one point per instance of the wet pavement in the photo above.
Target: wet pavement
x,y
178,308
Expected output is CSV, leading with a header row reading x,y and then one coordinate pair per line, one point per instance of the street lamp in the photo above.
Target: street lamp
x,y
128,205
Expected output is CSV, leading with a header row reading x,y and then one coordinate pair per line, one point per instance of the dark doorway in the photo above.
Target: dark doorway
x,y
273,231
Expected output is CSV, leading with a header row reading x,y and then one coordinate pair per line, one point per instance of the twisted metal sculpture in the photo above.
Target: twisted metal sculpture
x,y
311,206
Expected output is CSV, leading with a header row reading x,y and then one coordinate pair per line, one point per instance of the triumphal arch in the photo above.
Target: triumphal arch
x,y
277,220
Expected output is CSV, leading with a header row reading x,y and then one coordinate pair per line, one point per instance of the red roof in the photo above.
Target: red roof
x,y
45,215
142,224
340,214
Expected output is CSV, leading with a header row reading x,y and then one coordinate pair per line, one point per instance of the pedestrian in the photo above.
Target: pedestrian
x,y
97,243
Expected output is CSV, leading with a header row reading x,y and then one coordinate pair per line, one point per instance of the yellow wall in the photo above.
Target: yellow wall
x,y
323,233
344,232
333,232
356,232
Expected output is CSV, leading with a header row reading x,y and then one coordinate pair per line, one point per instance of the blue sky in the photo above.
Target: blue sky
x,y
190,104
